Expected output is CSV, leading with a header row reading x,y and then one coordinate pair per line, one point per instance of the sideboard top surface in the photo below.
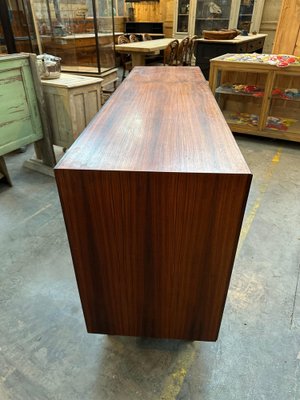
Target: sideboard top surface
x,y
160,119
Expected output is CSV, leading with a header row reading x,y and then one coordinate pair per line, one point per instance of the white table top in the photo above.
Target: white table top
x,y
71,81
147,46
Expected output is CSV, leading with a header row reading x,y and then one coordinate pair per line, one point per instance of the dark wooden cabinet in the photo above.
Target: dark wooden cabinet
x,y
206,49
153,194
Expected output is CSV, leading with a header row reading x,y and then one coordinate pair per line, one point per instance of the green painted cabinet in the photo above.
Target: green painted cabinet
x,y
20,121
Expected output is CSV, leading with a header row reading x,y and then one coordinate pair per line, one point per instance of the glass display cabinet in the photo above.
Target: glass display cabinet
x,y
212,15
245,15
81,33
183,14
17,31
193,16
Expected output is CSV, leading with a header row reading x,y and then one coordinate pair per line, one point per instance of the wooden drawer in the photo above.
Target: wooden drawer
x,y
242,48
255,45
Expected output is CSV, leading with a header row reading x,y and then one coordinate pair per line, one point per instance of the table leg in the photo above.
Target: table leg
x,y
138,59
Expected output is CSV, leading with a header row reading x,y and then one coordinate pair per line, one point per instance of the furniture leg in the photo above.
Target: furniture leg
x,y
4,172
138,59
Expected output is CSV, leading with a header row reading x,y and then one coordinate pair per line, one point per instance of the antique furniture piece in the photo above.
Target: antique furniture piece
x,y
139,50
22,112
133,38
193,16
161,188
81,33
171,53
258,98
206,49
125,59
72,101
183,48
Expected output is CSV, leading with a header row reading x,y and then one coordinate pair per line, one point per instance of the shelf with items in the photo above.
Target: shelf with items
x,y
256,97
240,90
225,14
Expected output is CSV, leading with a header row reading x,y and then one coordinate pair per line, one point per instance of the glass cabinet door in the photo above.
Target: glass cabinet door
x,y
283,115
105,12
183,16
212,15
81,34
240,95
245,15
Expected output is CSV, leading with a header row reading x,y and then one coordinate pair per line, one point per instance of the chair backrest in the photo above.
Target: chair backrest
x,y
122,39
146,36
191,50
170,53
133,38
124,58
183,51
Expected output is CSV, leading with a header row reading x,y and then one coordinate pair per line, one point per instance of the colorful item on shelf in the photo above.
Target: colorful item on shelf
x,y
240,88
292,93
274,123
243,119
280,60
287,94
279,124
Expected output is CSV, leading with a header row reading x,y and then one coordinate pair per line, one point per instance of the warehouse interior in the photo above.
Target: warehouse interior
x,y
46,352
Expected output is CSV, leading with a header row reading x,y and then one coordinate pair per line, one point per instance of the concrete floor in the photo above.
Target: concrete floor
x,y
45,352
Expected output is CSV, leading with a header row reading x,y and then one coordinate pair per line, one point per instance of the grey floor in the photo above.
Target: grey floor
x,y
45,352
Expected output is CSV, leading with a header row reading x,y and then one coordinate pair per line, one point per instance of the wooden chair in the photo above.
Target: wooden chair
x,y
126,62
190,51
146,36
183,51
133,38
170,53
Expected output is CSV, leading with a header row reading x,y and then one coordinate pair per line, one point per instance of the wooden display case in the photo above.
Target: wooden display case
x,y
258,98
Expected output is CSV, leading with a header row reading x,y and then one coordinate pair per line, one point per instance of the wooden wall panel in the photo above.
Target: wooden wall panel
x,y
155,11
287,38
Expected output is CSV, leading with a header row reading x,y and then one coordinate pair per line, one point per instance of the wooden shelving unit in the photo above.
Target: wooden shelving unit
x,y
260,105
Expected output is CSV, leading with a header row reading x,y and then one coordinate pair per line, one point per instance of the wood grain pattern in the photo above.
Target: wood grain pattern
x,y
153,194
287,35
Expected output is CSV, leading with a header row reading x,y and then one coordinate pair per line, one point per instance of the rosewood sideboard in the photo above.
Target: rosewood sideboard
x,y
153,194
